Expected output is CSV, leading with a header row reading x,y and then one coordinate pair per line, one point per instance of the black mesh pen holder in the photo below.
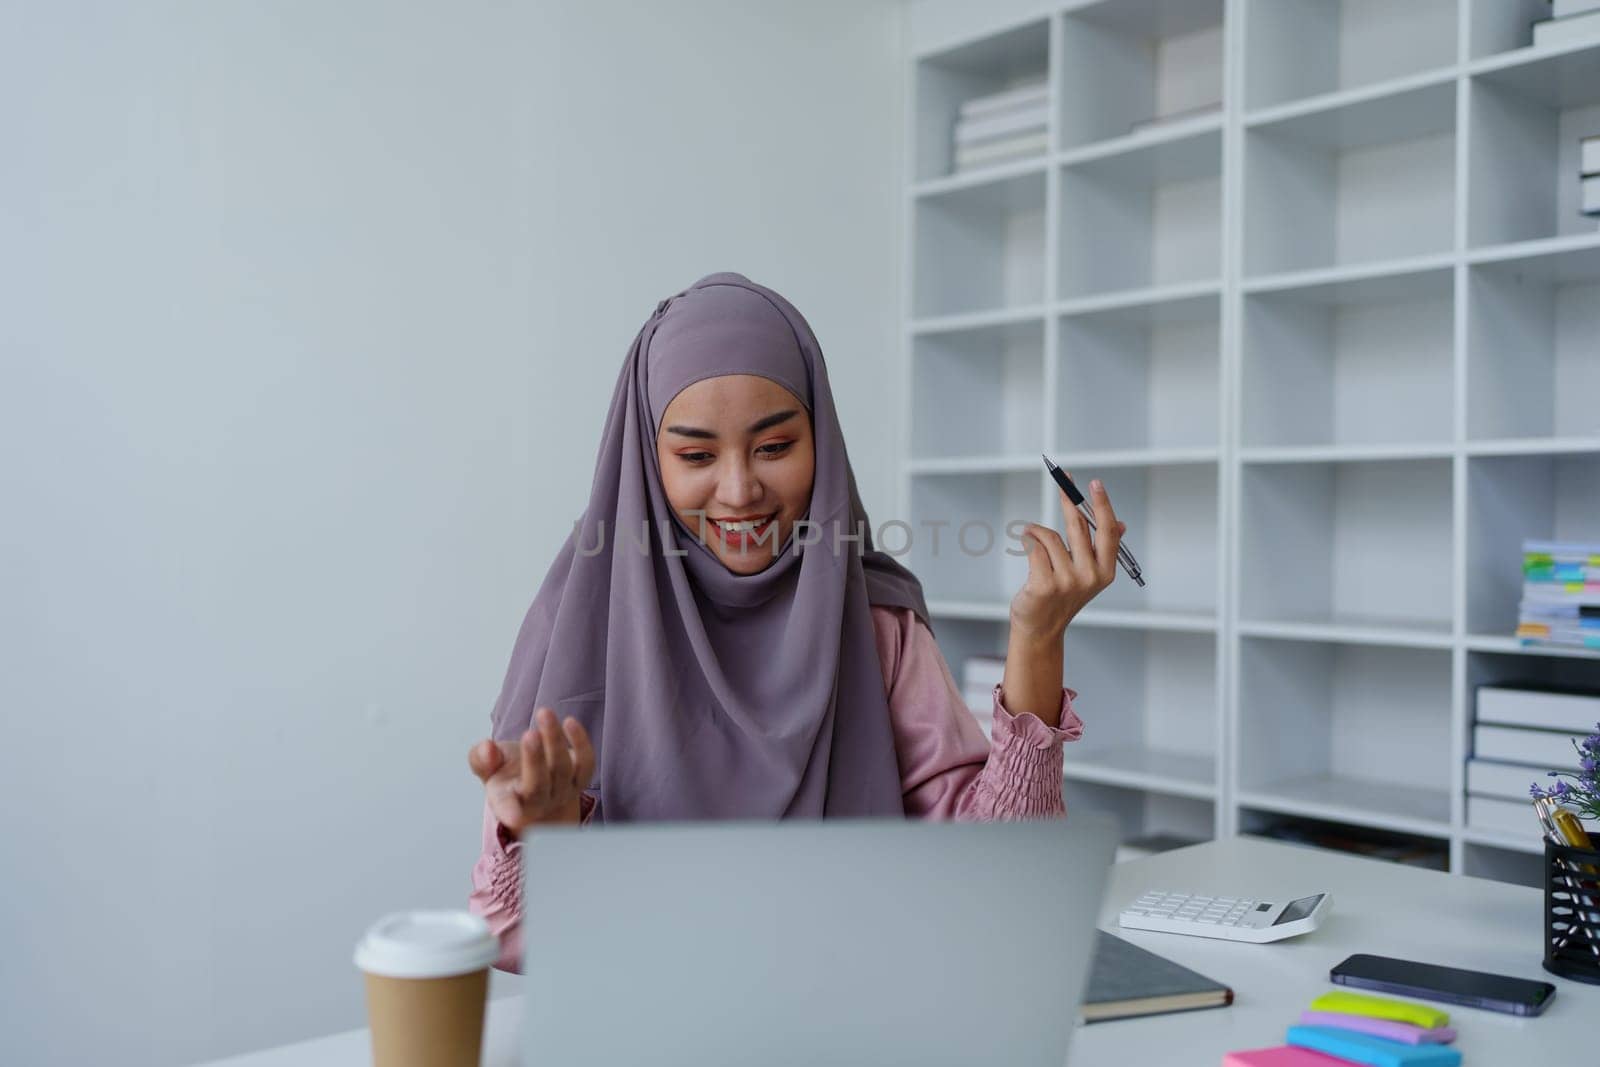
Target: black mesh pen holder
x,y
1572,912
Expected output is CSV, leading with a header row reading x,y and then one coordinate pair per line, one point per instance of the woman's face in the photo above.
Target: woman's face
x,y
737,450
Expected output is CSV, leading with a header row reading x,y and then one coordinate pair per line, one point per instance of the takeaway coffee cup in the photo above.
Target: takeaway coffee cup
x,y
427,982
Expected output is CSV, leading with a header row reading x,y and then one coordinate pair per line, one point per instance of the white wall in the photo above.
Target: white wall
x,y
310,316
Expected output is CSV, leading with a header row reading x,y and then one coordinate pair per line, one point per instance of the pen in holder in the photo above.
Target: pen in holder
x,y
1572,912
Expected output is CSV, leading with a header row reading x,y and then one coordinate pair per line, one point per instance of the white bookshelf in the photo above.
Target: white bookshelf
x,y
1334,347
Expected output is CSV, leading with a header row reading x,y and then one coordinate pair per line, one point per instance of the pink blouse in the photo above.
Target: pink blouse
x,y
948,769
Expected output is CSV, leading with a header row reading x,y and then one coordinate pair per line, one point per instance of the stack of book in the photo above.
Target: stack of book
x,y
1522,732
979,676
1572,20
1560,594
1002,127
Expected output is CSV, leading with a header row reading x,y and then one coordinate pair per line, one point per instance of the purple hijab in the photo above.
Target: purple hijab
x,y
708,694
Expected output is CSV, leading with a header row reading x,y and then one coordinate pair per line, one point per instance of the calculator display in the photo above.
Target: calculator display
x,y
1298,910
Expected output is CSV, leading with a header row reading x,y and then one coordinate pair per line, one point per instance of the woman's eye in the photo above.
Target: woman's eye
x,y
694,457
777,448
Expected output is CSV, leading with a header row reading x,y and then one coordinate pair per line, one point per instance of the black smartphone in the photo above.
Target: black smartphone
x,y
1453,985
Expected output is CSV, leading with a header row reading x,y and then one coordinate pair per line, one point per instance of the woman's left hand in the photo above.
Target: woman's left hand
x,y
1064,576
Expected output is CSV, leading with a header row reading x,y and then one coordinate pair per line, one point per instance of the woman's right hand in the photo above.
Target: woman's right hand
x,y
539,778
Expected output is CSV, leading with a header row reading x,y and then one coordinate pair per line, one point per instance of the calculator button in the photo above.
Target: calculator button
x,y
1207,919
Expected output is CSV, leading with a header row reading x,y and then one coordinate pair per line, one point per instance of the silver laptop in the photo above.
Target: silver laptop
x,y
810,943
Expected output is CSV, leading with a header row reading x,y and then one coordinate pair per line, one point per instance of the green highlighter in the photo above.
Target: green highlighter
x,y
1403,1011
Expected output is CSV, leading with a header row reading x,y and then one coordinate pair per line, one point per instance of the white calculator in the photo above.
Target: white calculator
x,y
1230,918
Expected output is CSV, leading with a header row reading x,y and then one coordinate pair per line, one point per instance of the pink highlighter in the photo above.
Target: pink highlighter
x,y
1394,1031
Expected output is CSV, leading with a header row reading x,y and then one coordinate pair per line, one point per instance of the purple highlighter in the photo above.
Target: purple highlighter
x,y
1394,1031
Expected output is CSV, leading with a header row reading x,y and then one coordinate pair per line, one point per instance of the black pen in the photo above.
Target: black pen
x,y
1124,557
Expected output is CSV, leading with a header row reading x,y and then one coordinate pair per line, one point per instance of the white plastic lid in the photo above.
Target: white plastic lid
x,y
427,944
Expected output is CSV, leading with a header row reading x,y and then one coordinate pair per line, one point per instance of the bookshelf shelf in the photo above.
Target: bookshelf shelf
x,y
1322,539
1512,647
998,464
1141,811
974,320
1127,63
1531,346
1328,188
1141,378
1306,48
1177,621
981,247
1345,453
1152,697
1090,460
1503,842
1174,509
1353,631
1177,302
1379,276
979,177
1504,859
1533,446
978,390
1526,119
1157,770
1330,345
1551,75
1308,714
1535,249
1150,217
994,63
1358,801
958,523
1501,31
1184,130
1355,362
1511,498
1338,101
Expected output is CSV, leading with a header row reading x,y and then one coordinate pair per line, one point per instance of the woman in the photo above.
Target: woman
x,y
722,641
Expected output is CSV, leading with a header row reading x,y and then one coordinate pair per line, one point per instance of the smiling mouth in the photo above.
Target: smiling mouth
x,y
743,533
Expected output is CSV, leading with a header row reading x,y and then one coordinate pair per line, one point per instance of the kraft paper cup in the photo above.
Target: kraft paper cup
x,y
427,982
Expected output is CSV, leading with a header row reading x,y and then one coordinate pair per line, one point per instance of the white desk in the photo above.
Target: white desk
x,y
1378,907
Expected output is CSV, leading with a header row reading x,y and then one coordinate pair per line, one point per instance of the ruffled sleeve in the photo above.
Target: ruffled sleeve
x,y
948,769
497,884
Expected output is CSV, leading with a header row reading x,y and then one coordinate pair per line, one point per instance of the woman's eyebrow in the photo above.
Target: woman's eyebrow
x,y
763,423
771,420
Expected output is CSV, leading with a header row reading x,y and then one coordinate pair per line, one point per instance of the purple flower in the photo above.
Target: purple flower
x,y
1534,791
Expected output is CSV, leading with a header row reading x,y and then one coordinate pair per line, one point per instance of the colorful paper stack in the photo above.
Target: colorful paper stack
x,y
1344,1028
1560,594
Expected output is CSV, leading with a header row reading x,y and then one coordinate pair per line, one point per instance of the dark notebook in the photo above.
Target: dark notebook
x,y
1125,981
